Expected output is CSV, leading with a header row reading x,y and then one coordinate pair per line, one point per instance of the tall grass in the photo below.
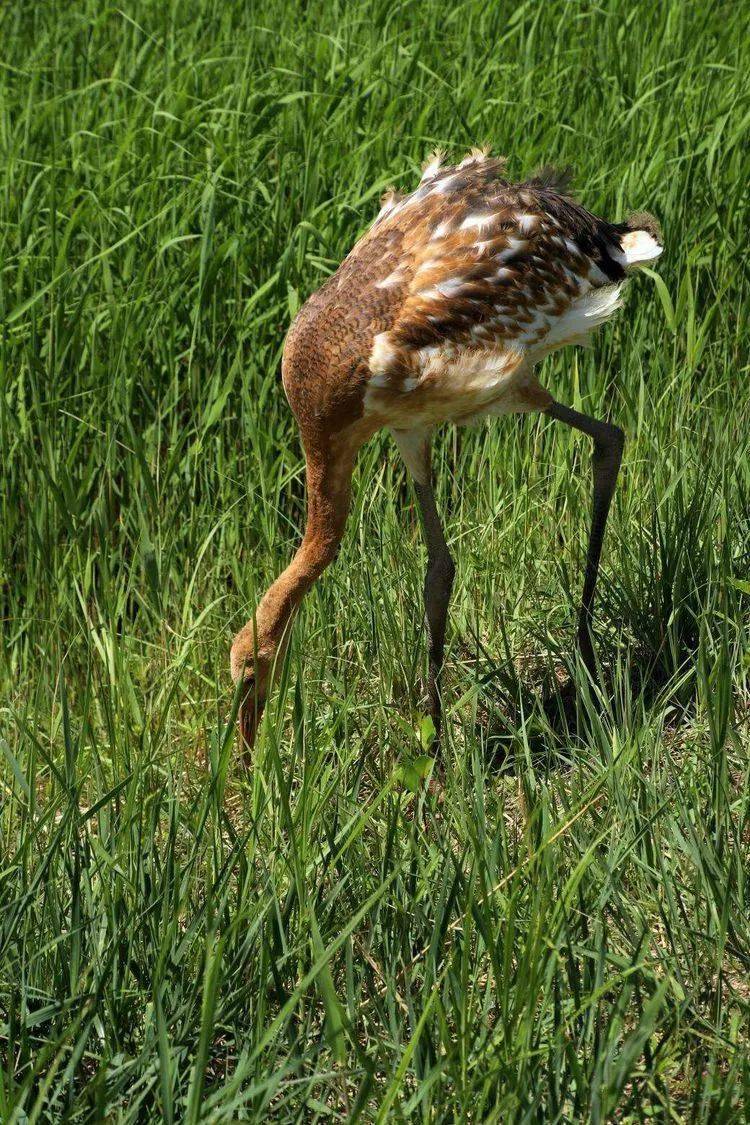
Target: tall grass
x,y
560,930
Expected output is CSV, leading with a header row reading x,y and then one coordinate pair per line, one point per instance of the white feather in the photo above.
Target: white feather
x,y
582,317
477,220
432,168
392,279
639,246
381,356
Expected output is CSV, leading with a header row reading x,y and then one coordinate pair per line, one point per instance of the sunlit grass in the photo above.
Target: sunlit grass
x,y
559,931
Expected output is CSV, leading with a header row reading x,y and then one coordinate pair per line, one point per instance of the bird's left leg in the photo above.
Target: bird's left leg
x,y
608,445
414,447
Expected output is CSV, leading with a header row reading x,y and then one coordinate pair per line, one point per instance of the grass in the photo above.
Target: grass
x,y
563,933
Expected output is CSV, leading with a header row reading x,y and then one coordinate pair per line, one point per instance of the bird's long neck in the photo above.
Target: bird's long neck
x,y
329,473
328,491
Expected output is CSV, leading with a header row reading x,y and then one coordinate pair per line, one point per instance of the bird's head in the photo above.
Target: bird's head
x,y
253,657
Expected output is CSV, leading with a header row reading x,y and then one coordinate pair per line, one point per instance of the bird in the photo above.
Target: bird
x,y
441,313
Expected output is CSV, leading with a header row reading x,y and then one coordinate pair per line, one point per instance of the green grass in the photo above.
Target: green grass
x,y
563,933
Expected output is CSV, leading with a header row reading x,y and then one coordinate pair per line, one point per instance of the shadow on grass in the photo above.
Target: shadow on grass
x,y
671,597
551,714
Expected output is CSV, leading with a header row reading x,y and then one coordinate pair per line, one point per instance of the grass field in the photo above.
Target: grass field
x,y
562,932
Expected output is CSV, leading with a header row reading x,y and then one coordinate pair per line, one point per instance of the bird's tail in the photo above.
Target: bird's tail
x,y
640,238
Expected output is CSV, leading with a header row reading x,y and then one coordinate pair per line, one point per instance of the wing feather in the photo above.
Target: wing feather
x,y
485,263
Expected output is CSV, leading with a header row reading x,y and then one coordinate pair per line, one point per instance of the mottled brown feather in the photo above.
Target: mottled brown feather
x,y
440,311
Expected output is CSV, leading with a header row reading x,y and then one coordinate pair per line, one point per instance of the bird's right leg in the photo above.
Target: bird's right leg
x,y
414,447
608,445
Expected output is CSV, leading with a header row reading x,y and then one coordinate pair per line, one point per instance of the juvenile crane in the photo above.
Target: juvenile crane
x,y
441,313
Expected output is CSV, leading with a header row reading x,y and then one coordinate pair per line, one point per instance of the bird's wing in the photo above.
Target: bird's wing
x,y
483,263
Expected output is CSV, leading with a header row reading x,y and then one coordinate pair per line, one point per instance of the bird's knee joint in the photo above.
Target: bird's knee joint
x,y
442,569
610,444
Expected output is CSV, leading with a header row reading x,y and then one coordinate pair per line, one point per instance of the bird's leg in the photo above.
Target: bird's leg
x,y
414,446
437,591
608,445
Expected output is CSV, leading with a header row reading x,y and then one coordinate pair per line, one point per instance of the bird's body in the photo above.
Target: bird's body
x,y
441,312
445,306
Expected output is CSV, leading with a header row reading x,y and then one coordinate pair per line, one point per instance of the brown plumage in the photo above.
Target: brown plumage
x,y
440,313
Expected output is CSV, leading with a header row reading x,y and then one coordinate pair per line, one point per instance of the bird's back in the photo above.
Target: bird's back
x,y
458,289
